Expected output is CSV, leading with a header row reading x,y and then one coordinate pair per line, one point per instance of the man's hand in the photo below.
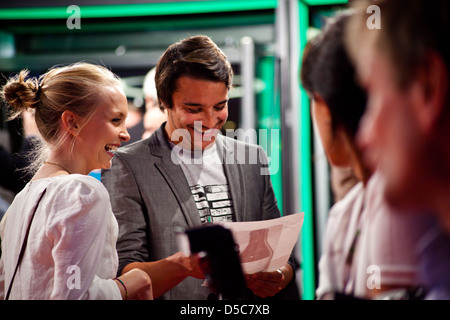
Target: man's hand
x,y
267,284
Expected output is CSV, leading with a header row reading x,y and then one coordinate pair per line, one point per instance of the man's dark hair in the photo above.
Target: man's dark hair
x,y
197,57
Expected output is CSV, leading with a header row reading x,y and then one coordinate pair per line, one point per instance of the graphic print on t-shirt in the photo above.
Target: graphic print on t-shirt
x,y
213,202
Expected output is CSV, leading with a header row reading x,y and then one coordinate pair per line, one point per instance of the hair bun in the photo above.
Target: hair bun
x,y
21,93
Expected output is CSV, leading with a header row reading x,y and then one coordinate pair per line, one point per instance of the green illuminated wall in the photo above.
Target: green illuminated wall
x,y
269,117
147,9
306,204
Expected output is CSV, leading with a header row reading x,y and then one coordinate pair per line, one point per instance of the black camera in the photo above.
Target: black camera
x,y
219,259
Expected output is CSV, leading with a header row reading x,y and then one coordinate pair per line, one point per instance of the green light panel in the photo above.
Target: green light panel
x,y
145,9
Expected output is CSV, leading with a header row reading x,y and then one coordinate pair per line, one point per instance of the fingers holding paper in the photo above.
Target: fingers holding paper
x,y
267,284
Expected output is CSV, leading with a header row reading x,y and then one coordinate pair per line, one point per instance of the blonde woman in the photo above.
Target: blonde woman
x,y
70,249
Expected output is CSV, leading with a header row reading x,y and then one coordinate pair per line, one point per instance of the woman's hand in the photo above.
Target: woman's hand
x,y
267,284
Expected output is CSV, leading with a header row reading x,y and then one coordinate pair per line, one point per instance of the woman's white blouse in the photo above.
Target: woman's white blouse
x,y
71,250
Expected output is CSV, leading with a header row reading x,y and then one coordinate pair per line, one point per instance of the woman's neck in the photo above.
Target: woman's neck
x,y
58,163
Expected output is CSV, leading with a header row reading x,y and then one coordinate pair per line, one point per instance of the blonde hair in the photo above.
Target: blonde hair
x,y
76,88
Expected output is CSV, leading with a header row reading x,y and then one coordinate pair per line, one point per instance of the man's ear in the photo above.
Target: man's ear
x,y
70,122
433,78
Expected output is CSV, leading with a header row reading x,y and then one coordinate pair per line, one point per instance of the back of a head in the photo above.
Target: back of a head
x,y
197,57
327,72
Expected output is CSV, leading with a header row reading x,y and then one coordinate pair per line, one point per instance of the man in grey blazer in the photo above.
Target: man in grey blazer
x,y
187,174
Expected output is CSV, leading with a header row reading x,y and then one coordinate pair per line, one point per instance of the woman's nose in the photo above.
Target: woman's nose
x,y
124,135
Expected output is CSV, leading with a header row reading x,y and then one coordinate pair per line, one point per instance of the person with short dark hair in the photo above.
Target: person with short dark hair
x,y
187,174
337,103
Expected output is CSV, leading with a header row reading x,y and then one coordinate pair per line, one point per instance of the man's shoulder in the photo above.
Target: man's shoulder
x,y
242,152
137,148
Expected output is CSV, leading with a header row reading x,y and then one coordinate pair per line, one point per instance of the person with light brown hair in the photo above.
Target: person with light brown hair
x,y
62,219
154,114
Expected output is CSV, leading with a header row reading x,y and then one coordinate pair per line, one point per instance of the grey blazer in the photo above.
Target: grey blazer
x,y
151,198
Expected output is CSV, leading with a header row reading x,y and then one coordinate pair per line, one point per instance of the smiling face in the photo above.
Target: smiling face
x,y
103,133
200,109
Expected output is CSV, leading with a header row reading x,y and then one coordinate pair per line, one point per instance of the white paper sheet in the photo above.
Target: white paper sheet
x,y
265,245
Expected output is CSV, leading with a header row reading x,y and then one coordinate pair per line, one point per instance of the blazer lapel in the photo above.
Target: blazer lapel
x,y
234,176
174,176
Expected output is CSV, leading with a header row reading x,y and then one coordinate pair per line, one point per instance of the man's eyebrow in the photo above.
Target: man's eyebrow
x,y
192,104
196,104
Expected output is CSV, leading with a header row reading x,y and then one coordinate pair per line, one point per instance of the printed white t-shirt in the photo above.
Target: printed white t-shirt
x,y
208,183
